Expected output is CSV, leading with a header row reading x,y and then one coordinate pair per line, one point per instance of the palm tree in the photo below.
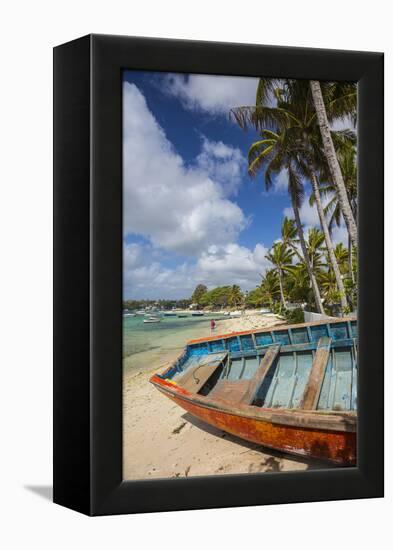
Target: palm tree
x,y
347,158
235,296
342,256
316,248
296,126
332,160
329,286
333,207
281,257
289,235
298,284
314,245
312,161
270,287
280,153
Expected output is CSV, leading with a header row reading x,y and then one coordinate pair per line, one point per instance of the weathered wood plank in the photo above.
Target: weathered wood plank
x,y
229,390
263,369
197,376
314,384
193,378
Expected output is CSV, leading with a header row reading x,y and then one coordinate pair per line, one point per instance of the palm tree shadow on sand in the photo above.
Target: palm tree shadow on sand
x,y
273,462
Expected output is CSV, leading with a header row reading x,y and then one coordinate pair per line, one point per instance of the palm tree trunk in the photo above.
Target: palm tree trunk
x,y
332,160
281,289
328,240
350,258
306,259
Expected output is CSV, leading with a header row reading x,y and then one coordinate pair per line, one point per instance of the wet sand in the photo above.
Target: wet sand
x,y
162,440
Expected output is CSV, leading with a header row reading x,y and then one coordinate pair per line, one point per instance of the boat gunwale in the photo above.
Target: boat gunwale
x,y
334,421
270,329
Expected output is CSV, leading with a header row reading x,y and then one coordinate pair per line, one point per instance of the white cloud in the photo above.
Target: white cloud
x,y
219,265
308,214
233,264
281,182
143,277
345,123
340,235
224,164
213,94
177,207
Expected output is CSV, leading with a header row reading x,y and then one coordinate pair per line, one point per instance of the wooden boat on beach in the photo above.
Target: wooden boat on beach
x,y
289,388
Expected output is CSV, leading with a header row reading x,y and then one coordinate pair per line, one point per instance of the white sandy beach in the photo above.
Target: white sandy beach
x,y
162,440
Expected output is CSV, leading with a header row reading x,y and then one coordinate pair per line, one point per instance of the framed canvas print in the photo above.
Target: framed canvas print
x,y
218,275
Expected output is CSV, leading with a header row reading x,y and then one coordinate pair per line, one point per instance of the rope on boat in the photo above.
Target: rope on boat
x,y
197,380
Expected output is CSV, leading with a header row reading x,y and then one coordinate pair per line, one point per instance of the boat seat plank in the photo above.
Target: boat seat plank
x,y
194,377
256,381
314,383
229,390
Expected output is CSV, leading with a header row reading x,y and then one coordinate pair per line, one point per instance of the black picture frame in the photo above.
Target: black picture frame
x,y
88,275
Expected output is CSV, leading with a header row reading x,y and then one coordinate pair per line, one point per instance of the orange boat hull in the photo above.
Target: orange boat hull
x,y
335,446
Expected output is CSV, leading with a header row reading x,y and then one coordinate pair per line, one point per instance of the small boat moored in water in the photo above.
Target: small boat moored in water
x,y
152,320
235,313
289,388
197,313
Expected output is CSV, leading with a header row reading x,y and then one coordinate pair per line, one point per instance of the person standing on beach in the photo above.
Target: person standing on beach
x,y
212,325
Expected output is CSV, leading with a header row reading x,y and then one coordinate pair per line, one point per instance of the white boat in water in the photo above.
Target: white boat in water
x,y
152,320
235,314
129,314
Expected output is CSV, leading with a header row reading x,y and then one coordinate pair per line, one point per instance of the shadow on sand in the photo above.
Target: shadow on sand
x,y
272,463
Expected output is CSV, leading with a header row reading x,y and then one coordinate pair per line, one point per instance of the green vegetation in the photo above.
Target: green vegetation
x,y
288,280
219,297
198,294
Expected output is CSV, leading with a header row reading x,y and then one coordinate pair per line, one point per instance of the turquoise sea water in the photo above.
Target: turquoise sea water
x,y
146,346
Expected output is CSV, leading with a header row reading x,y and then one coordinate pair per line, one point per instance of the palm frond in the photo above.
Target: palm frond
x,y
258,147
254,166
266,89
261,117
295,186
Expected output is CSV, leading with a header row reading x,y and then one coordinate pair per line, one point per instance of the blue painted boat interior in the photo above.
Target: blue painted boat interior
x,y
285,382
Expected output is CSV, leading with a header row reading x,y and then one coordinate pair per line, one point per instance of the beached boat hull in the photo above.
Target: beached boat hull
x,y
288,388
335,446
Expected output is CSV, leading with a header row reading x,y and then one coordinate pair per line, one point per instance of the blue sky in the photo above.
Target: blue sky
x,y
191,213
